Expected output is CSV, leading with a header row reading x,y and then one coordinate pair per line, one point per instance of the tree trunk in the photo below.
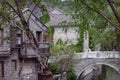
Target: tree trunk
x,y
114,11
46,73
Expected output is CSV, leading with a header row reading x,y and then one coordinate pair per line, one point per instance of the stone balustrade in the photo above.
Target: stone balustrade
x,y
85,55
101,54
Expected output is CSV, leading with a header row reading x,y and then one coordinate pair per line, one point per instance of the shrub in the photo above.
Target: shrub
x,y
71,74
54,68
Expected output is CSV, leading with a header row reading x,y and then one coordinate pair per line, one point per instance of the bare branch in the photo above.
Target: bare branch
x,y
31,13
101,14
29,33
114,11
9,4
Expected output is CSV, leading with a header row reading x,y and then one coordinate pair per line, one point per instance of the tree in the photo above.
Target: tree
x,y
64,59
11,8
100,16
103,15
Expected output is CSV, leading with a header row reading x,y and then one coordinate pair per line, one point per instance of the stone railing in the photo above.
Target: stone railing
x,y
101,54
92,54
44,49
4,53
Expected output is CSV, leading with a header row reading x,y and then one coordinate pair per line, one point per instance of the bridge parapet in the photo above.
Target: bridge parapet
x,y
87,60
101,54
92,54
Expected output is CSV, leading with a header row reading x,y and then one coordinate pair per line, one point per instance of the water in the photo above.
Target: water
x,y
109,74
103,73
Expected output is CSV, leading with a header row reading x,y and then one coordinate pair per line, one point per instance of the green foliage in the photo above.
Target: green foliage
x,y
58,47
83,16
59,42
52,2
117,43
5,14
71,74
110,72
50,31
8,37
45,18
54,68
99,29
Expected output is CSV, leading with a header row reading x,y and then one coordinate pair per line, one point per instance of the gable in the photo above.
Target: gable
x,y
34,22
57,12
58,16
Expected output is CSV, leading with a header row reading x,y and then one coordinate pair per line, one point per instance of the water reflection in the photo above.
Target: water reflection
x,y
100,72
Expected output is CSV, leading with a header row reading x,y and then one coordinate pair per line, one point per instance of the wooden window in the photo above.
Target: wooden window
x,y
38,35
1,35
1,69
46,38
18,39
14,65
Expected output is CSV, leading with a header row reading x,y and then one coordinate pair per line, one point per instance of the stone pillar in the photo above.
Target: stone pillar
x,y
86,42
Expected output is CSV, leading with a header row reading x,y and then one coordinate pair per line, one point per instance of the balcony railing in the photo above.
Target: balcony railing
x,y
44,48
28,52
4,53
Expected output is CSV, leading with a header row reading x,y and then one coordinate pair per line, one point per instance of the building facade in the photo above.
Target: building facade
x,y
62,28
17,57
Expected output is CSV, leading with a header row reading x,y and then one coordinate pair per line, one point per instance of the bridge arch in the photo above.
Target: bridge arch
x,y
113,66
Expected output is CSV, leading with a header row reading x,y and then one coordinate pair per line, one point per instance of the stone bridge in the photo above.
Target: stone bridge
x,y
84,64
88,60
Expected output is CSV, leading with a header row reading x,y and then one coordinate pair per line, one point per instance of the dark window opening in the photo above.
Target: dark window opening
x,y
46,38
38,35
1,36
14,65
1,69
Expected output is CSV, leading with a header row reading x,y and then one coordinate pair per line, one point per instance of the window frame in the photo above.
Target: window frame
x,y
14,65
2,69
1,36
39,36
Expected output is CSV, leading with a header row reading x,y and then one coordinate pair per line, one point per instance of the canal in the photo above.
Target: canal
x,y
103,73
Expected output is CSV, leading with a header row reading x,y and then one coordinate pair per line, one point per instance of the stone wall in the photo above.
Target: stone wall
x,y
68,34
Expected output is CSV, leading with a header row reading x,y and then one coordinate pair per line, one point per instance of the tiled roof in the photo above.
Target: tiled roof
x,y
57,16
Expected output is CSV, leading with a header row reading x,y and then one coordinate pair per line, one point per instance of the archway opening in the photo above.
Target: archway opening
x,y
99,71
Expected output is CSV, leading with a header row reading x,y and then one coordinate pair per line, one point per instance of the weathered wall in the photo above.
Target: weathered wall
x,y
28,67
71,35
6,43
10,72
28,70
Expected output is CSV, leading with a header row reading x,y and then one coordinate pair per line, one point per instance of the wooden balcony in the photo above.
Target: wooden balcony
x,y
28,52
4,53
44,48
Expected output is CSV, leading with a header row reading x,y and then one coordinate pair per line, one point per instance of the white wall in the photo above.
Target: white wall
x,y
28,67
71,35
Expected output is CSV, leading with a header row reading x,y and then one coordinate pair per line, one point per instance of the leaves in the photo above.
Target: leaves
x,y
54,68
97,17
71,74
